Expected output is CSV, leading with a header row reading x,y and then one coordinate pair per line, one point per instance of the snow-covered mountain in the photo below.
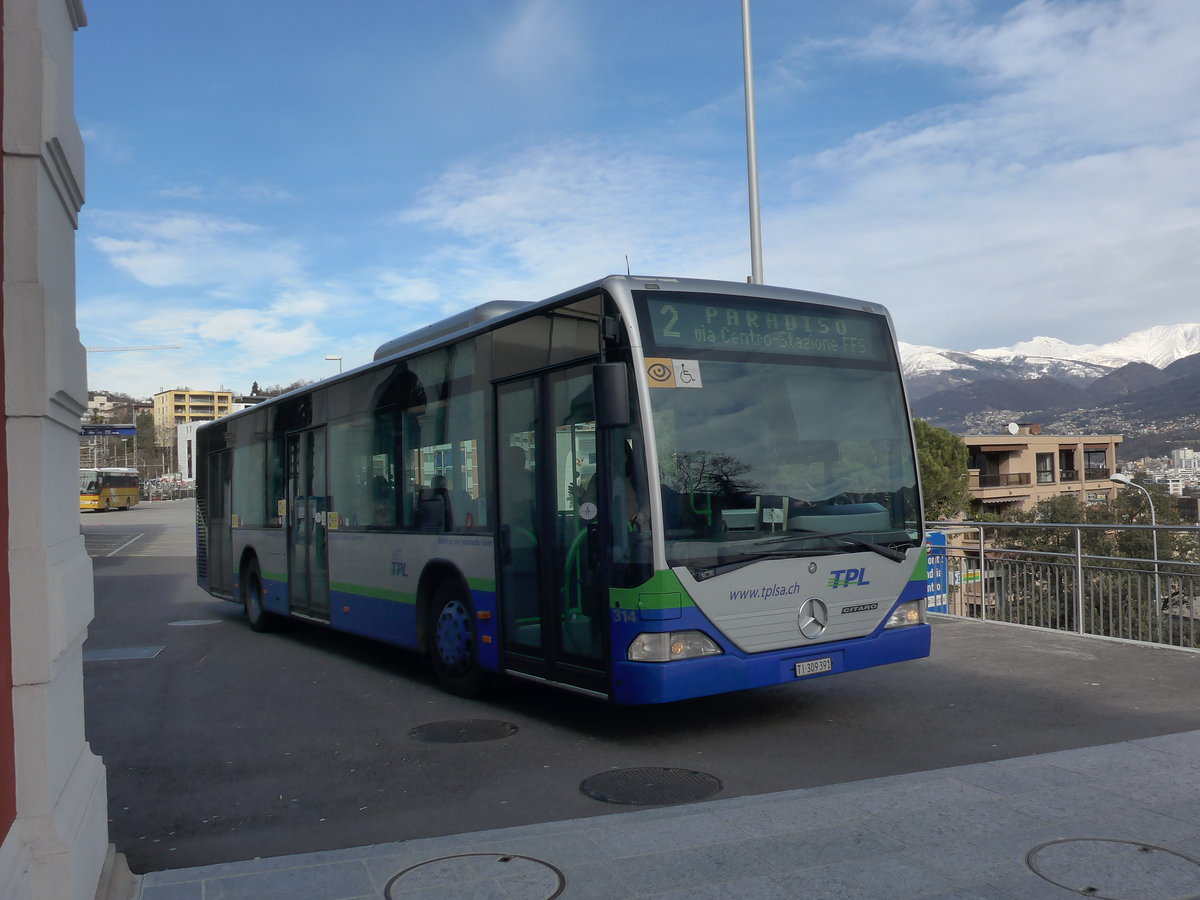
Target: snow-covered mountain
x,y
931,369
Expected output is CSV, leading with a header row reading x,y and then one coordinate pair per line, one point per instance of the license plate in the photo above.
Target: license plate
x,y
814,666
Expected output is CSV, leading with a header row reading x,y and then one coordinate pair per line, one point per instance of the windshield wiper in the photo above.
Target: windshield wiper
x,y
845,536
703,572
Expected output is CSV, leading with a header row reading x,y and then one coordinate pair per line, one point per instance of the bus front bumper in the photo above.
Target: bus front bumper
x,y
659,682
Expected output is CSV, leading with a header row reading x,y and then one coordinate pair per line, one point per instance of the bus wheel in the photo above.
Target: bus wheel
x,y
252,593
451,642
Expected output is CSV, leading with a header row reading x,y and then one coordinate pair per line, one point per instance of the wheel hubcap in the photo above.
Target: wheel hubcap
x,y
254,600
454,636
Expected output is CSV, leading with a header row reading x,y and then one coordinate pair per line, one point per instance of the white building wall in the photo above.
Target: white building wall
x,y
56,849
185,449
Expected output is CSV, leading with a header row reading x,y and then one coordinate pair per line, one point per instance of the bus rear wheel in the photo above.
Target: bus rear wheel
x,y
450,639
252,600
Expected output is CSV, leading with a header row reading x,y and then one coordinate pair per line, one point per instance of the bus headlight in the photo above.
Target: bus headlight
x,y
905,614
668,647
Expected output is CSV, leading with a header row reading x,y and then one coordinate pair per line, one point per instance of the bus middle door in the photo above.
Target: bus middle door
x,y
308,561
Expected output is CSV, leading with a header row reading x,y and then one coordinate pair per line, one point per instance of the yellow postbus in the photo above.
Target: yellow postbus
x,y
105,489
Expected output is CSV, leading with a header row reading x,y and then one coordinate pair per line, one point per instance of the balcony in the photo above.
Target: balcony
x,y
1096,474
1016,479
1068,474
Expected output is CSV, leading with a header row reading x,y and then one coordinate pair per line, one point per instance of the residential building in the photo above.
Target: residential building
x,y
1185,460
1022,467
185,438
53,803
183,405
100,407
103,407
1189,508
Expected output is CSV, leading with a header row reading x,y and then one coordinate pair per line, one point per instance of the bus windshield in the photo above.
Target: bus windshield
x,y
765,453
89,481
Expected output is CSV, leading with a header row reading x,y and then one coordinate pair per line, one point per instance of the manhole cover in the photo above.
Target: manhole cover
x,y
197,622
479,875
463,731
1116,870
650,786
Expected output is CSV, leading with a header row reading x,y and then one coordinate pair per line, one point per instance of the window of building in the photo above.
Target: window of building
x,y
1045,468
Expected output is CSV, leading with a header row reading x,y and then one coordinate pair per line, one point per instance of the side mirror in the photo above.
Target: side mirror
x,y
610,386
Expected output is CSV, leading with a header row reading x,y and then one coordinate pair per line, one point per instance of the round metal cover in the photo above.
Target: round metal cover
x,y
650,786
463,731
1116,870
197,622
487,875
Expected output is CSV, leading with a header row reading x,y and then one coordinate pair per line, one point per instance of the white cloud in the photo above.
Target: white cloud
x,y
190,249
405,290
547,217
1066,199
541,47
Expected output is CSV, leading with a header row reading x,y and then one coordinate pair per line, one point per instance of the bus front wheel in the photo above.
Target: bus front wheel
x,y
252,599
450,640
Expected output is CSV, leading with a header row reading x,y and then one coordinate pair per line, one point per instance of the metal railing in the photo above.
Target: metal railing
x,y
152,491
1048,581
1015,479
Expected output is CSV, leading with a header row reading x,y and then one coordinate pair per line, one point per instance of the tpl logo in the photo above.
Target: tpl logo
x,y
840,578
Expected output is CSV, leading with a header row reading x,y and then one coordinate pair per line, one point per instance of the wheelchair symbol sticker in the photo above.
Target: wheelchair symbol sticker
x,y
687,373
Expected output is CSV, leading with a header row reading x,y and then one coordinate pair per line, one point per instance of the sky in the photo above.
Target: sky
x,y
269,183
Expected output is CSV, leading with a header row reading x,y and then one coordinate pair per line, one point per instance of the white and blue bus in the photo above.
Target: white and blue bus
x,y
645,489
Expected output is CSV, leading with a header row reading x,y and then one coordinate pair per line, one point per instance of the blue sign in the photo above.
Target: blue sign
x,y
108,430
936,599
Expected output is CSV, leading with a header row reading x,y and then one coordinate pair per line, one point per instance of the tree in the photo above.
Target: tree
x,y
276,389
942,458
690,471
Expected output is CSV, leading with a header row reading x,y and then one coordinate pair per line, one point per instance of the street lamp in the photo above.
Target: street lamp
x,y
1119,478
339,362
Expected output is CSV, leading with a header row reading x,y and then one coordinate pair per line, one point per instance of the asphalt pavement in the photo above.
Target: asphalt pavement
x,y
1013,763
1116,821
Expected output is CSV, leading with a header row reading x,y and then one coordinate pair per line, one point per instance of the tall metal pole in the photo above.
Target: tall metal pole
x,y
1154,544
1121,478
756,272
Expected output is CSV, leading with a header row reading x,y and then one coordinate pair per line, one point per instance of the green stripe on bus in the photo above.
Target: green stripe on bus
x,y
921,569
487,585
662,591
364,590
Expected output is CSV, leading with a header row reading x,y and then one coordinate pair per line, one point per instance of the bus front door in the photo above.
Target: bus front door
x,y
220,524
552,592
308,563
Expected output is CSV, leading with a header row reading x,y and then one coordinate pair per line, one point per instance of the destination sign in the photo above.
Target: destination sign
x,y
758,325
107,430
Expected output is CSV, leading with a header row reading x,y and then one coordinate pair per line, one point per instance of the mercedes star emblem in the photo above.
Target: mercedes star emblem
x,y
813,618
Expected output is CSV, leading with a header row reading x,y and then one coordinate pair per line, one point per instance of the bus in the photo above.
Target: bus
x,y
644,489
110,488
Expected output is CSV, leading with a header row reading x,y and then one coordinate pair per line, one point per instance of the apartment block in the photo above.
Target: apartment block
x,y
1185,459
1022,467
183,405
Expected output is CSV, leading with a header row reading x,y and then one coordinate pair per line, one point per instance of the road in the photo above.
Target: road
x,y
223,744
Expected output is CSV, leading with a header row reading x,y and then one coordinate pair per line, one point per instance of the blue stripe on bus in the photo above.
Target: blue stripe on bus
x,y
395,623
634,682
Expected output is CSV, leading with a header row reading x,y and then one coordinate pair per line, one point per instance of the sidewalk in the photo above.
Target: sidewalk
x,y
1116,821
